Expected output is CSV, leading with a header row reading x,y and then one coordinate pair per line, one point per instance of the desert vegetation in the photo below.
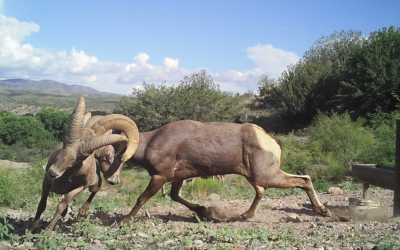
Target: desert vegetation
x,y
337,106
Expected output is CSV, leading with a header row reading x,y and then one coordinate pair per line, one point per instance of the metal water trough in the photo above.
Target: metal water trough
x,y
374,174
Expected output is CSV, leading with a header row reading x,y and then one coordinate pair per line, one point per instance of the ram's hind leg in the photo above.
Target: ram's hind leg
x,y
260,191
175,196
284,180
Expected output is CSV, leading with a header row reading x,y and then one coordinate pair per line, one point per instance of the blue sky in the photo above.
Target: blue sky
x,y
116,45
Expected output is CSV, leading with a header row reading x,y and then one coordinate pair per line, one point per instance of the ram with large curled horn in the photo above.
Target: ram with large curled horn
x,y
71,167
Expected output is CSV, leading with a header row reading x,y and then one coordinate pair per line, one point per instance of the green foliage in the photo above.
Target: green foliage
x,y
201,188
344,71
22,129
5,228
24,138
335,171
384,131
56,121
196,98
296,157
312,83
339,136
20,188
372,78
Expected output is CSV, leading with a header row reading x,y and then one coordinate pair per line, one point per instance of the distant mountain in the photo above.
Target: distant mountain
x,y
49,85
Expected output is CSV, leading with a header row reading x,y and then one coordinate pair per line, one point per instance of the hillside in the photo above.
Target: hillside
x,y
49,85
23,101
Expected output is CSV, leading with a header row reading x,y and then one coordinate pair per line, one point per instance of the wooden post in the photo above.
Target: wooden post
x,y
396,206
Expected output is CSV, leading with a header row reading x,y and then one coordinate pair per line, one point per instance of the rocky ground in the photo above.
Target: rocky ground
x,y
281,223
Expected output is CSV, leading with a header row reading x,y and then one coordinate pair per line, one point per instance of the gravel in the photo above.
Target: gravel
x,y
346,229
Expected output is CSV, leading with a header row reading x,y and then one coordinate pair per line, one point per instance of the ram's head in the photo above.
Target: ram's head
x,y
80,142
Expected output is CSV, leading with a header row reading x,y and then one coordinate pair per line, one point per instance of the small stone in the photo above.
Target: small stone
x,y
292,218
254,244
215,197
168,242
26,245
94,247
143,235
368,246
198,243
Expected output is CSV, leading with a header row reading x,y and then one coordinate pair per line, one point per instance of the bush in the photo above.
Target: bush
x,y
296,157
384,131
55,121
196,98
20,189
334,172
338,137
202,188
26,130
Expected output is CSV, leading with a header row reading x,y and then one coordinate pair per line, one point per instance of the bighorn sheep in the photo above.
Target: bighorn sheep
x,y
76,156
186,149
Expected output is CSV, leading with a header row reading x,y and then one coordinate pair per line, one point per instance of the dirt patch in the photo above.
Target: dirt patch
x,y
345,229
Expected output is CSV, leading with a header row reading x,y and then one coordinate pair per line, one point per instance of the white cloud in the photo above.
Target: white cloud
x,y
91,78
22,60
141,58
171,63
272,61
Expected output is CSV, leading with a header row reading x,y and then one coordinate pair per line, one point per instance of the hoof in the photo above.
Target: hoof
x,y
201,211
115,225
328,213
246,216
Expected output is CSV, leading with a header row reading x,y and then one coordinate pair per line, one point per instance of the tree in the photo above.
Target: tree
x,y
26,130
372,81
313,82
196,98
55,121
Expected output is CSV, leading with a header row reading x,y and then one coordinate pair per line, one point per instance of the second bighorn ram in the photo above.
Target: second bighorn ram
x,y
186,149
76,160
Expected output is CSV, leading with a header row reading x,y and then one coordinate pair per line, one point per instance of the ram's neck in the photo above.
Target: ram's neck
x,y
144,140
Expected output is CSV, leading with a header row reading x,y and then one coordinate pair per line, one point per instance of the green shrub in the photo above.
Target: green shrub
x,y
202,188
55,121
339,136
296,158
20,188
384,131
195,98
334,172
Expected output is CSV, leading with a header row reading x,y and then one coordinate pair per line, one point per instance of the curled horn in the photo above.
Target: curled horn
x,y
93,120
121,123
90,144
76,127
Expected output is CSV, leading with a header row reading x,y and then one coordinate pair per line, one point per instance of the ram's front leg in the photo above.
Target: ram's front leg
x,y
83,212
62,206
42,205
